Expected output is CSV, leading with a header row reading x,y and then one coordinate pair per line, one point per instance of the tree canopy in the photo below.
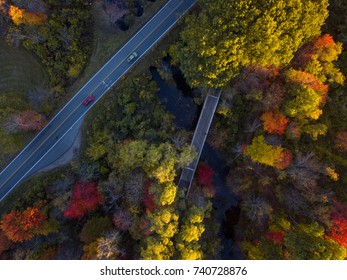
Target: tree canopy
x,y
226,35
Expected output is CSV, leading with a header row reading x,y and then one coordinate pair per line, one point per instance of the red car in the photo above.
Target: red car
x,y
89,99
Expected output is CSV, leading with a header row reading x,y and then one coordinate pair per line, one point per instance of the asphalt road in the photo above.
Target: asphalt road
x,y
46,143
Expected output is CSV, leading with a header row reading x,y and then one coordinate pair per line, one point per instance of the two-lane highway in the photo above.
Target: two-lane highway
x,y
72,113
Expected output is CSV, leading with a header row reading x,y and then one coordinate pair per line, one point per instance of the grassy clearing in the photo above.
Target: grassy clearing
x,y
19,70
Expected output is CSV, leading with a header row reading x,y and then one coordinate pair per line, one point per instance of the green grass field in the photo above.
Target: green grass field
x,y
19,70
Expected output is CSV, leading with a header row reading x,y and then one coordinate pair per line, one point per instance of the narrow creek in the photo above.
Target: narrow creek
x,y
178,98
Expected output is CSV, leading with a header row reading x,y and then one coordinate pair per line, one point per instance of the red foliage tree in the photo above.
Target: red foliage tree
x,y
204,175
275,236
20,226
31,120
205,179
85,198
338,231
148,198
285,159
26,121
274,122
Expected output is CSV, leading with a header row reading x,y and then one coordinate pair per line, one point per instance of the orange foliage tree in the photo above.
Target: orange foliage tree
x,y
20,226
307,79
85,198
22,16
305,54
284,160
317,57
274,122
31,120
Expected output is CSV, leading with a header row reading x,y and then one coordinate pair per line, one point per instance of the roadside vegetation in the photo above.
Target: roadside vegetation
x,y
53,48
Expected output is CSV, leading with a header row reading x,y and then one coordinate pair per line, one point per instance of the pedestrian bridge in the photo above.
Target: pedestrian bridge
x,y
199,137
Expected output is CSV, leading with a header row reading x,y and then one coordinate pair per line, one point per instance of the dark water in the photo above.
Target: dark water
x,y
224,202
178,100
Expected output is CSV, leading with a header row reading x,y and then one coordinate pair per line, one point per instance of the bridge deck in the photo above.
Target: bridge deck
x,y
199,137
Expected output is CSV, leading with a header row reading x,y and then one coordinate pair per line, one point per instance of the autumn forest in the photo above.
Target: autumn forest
x,y
280,127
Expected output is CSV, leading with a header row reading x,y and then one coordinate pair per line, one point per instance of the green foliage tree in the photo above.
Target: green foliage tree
x,y
304,104
60,38
94,228
130,156
256,209
263,250
226,35
307,242
97,149
187,155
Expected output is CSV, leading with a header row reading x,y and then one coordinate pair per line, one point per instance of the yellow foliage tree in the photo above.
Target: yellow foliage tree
x,y
168,194
166,171
261,152
156,248
22,16
192,232
191,252
164,222
332,173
